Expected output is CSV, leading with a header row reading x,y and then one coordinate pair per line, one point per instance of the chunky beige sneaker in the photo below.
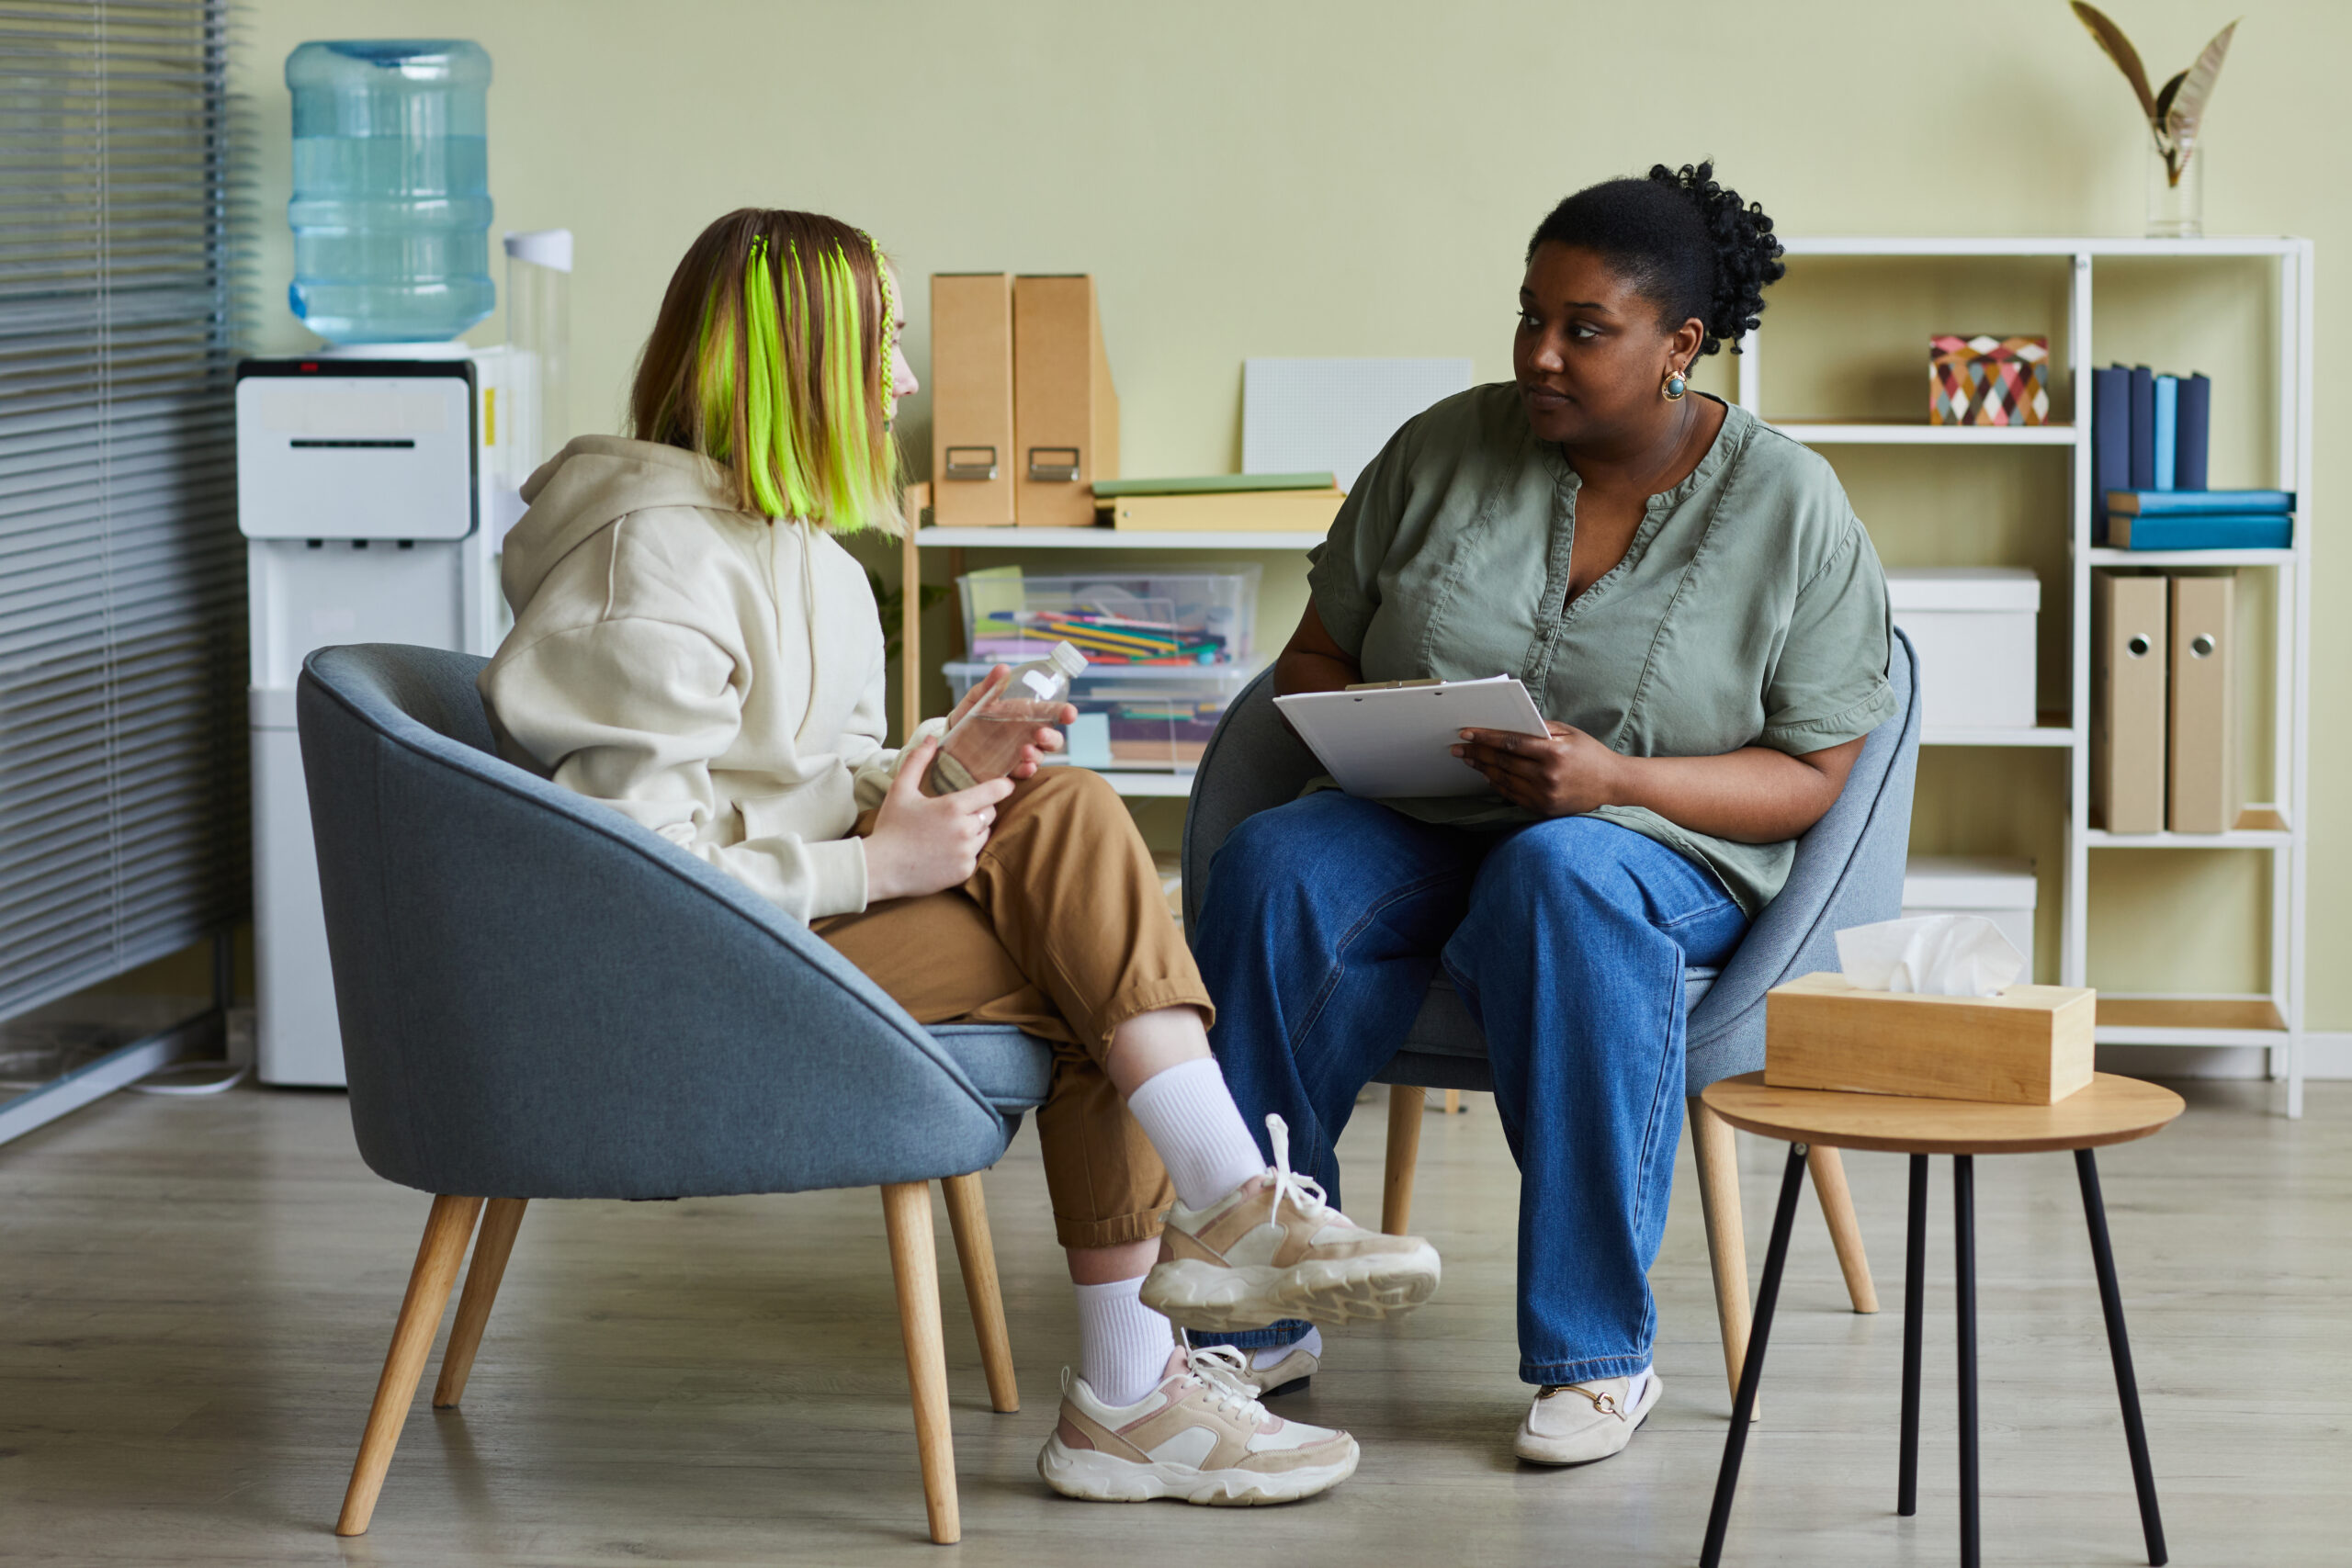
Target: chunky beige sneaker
x,y
1201,1437
1274,1249
1577,1423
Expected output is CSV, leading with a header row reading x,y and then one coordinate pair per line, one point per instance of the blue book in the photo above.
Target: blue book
x,y
2110,432
2196,423
2168,429
2198,502
2225,531
2143,428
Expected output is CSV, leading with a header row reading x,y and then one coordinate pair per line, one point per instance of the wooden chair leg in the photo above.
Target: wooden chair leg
x,y
967,1216
1828,1173
914,1266
502,1217
1712,1144
1406,1105
446,1229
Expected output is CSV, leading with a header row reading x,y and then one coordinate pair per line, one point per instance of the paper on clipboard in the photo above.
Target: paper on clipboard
x,y
1396,742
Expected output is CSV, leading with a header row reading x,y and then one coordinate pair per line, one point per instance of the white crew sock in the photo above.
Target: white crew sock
x,y
1190,1117
1123,1344
1311,1342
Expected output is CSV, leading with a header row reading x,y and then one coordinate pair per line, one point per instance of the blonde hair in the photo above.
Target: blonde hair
x,y
771,357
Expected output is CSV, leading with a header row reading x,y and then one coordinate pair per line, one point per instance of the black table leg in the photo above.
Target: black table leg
x,y
1964,1210
2119,1344
1751,1371
1915,1315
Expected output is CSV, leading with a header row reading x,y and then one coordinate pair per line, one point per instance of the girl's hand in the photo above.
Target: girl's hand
x,y
1565,773
924,843
1047,738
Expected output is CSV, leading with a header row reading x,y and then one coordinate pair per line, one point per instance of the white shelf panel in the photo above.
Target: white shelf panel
x,y
1954,734
2114,1034
2054,245
1286,540
1149,785
2101,555
2235,838
1895,433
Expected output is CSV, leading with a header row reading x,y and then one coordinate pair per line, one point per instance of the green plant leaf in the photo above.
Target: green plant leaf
x,y
2119,48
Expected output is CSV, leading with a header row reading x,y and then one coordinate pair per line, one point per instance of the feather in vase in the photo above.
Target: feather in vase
x,y
2176,113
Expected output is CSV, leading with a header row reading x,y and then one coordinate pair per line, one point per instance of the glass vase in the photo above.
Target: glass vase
x,y
2175,194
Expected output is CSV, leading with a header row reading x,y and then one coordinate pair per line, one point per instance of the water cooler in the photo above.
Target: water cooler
x,y
370,490
376,477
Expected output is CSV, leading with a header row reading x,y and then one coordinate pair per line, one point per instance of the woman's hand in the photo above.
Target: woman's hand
x,y
1565,773
924,843
1047,738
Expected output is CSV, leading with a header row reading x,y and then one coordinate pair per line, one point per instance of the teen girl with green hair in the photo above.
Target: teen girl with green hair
x,y
694,648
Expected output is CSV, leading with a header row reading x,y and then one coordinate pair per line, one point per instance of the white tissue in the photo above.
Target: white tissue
x,y
1935,955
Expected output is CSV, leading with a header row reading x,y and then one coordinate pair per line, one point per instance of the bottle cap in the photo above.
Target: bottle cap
x,y
1067,660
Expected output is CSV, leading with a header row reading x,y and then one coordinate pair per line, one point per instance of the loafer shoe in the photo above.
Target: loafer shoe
x,y
1577,1423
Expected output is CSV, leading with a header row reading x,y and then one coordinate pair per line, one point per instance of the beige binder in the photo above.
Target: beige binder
x,y
1064,412
971,400
2129,652
2203,782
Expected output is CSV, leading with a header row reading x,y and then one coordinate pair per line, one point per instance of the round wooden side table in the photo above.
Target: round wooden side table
x,y
2111,1110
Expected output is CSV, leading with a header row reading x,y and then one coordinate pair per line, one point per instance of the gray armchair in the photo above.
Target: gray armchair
x,y
541,999
1849,872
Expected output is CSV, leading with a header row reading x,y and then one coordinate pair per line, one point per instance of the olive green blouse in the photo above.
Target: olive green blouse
x,y
1750,609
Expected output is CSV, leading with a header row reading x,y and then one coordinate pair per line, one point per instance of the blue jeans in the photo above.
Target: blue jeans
x,y
1324,922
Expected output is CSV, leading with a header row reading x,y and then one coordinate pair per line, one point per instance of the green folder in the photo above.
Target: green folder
x,y
1211,484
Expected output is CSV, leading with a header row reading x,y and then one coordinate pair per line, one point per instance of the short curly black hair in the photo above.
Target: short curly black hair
x,y
1683,241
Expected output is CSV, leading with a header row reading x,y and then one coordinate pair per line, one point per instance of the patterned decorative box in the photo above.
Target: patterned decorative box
x,y
1987,380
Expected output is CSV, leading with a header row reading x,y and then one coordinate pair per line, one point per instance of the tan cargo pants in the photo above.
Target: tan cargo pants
x,y
1062,933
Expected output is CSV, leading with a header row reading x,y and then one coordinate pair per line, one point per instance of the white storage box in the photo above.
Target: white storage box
x,y
2002,891
1169,619
1136,717
1974,629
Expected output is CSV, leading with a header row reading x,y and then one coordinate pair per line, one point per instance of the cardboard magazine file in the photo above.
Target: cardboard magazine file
x,y
1064,412
2201,783
971,400
2129,648
2029,1045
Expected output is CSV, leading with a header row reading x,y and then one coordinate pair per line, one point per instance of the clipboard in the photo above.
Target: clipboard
x,y
1396,742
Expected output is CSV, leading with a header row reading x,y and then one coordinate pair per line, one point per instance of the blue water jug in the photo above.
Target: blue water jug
x,y
391,189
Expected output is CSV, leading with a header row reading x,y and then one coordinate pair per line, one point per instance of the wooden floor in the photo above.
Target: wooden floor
x,y
194,1298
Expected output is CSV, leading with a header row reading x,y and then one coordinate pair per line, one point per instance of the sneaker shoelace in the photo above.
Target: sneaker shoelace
x,y
1306,1194
1222,1370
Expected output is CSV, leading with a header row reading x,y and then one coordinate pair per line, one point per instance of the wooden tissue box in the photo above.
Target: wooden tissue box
x,y
2029,1045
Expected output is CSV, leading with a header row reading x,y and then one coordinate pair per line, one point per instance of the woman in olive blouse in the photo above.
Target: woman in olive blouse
x,y
1703,623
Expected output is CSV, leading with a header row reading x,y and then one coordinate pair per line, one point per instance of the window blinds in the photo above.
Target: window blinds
x,y
123,833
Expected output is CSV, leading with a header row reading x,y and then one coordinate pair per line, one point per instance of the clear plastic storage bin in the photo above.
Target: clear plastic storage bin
x,y
1150,619
1135,716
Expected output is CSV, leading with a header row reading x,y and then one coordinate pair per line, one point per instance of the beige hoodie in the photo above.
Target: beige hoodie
x,y
711,675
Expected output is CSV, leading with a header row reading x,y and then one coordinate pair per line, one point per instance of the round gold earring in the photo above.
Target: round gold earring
x,y
1676,385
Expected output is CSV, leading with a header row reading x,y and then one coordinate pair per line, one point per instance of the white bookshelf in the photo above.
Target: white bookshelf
x,y
2272,1018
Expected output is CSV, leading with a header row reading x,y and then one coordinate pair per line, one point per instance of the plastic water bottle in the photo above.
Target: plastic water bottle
x,y
987,741
391,189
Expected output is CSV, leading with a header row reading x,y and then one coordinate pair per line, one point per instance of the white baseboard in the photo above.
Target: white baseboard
x,y
2326,1054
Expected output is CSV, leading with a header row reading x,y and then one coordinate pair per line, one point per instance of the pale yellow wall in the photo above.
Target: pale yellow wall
x,y
1358,178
